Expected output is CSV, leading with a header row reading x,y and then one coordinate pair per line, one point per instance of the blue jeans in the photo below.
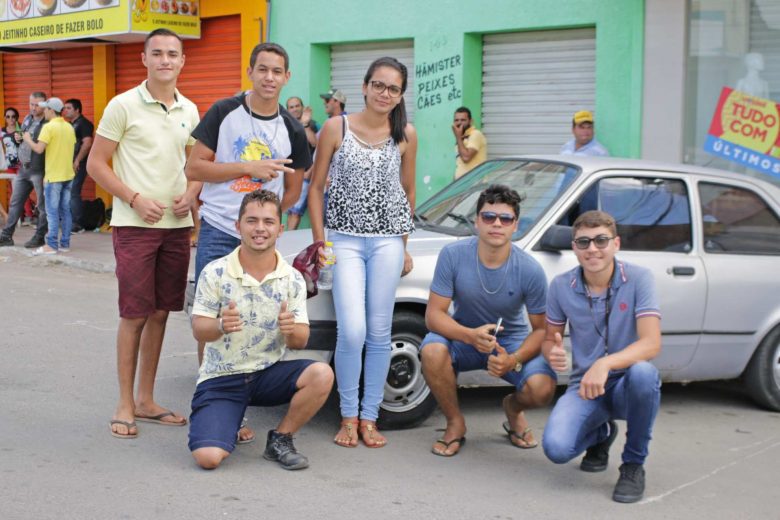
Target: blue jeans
x,y
365,277
576,424
57,195
25,182
212,244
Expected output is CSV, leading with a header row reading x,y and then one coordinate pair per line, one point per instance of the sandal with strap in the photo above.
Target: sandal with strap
x,y
351,438
371,436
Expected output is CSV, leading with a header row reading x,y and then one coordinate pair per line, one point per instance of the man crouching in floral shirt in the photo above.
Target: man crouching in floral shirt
x,y
250,306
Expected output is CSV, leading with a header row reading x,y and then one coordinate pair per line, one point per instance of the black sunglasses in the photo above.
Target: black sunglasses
x,y
601,241
488,217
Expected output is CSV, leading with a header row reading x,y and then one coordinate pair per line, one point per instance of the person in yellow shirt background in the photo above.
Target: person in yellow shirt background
x,y
470,143
57,139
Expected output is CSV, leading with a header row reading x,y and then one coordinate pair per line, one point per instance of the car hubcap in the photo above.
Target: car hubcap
x,y
776,364
405,387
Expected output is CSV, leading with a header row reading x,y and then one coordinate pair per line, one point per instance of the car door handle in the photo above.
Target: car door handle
x,y
683,271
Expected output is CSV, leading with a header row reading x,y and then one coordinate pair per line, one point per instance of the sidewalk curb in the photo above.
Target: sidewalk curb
x,y
61,259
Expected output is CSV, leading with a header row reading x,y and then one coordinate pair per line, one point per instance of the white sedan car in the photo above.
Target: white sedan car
x,y
711,238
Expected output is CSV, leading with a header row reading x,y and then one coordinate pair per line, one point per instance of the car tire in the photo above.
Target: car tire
x,y
762,377
407,401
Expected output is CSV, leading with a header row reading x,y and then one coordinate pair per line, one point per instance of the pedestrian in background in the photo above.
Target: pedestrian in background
x,y
84,130
370,158
470,143
583,143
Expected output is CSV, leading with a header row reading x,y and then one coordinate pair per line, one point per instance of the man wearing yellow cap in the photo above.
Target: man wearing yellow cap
x,y
583,143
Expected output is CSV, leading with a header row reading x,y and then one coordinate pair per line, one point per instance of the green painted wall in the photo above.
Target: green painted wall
x,y
443,29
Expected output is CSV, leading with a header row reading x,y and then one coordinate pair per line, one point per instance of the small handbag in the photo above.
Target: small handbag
x,y
307,262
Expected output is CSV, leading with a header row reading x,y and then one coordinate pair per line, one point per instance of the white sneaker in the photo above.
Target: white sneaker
x,y
44,250
64,250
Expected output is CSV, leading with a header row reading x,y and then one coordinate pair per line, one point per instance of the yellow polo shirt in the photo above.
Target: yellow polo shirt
x,y
149,156
259,344
60,139
475,140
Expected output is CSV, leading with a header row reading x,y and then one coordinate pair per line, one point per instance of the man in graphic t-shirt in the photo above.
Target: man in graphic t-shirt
x,y
246,143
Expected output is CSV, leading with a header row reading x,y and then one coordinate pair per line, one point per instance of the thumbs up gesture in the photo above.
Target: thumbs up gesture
x,y
557,357
499,362
231,318
286,320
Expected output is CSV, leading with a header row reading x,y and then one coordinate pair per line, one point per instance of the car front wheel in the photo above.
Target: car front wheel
x,y
407,401
762,377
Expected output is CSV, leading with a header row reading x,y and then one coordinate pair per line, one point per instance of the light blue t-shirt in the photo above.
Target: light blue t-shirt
x,y
593,149
460,276
632,295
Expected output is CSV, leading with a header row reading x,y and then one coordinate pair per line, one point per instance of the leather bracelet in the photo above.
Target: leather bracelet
x,y
132,199
220,327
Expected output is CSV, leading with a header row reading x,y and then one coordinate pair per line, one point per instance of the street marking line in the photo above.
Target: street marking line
x,y
708,475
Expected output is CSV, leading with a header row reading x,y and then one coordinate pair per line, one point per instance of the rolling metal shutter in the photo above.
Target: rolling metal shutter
x,y
71,77
765,39
23,73
532,84
350,62
212,68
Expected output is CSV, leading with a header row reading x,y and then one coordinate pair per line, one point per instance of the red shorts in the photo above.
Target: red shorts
x,y
151,268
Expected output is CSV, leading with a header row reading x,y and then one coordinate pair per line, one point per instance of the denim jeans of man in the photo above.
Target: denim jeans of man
x,y
25,182
76,204
213,243
365,277
58,213
576,424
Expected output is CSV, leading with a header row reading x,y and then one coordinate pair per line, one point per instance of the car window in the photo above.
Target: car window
x,y
538,183
652,214
737,220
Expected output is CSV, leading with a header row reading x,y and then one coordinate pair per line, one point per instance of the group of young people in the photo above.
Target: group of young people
x,y
245,162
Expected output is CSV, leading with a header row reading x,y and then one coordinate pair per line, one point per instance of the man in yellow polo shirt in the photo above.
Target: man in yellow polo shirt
x,y
470,143
57,139
146,133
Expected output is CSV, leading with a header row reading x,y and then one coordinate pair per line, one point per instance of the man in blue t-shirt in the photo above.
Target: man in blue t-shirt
x,y
488,279
615,327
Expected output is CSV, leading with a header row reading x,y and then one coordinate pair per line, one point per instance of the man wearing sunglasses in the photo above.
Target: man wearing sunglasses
x,y
487,278
615,327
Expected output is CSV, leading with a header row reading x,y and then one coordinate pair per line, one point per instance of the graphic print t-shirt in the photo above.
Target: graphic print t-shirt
x,y
235,134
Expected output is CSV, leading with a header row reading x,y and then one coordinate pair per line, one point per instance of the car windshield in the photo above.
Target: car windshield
x,y
539,184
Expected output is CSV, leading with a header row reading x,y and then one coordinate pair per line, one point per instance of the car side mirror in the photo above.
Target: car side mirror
x,y
556,238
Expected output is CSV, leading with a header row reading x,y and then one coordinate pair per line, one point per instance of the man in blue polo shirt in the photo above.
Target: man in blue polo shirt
x,y
615,326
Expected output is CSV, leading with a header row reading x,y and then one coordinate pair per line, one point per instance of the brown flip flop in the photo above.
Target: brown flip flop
x,y
519,436
127,435
461,441
158,419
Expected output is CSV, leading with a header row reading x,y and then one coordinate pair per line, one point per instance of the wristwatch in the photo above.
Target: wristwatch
x,y
519,365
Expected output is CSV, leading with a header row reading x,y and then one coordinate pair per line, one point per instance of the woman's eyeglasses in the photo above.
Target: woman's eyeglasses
x,y
489,217
601,242
393,90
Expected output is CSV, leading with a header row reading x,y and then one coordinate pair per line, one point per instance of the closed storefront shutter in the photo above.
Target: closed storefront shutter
x,y
212,69
350,62
71,77
24,73
532,84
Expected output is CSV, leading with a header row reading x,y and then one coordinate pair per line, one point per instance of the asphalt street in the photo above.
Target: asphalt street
x,y
714,454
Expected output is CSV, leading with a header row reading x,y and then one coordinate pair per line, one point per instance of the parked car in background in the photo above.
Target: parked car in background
x,y
711,239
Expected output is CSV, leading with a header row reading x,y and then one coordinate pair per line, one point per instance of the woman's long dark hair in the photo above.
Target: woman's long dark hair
x,y
398,114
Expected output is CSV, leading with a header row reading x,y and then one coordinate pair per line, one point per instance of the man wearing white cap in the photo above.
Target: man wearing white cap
x,y
583,143
57,139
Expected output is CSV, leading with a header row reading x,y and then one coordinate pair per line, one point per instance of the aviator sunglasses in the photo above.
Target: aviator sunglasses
x,y
488,217
601,241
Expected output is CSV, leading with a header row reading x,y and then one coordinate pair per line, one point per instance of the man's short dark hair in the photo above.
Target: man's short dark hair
x,y
593,219
463,110
499,194
269,47
162,32
39,95
75,103
262,197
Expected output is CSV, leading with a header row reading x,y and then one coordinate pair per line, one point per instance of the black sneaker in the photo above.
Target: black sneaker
x,y
34,243
279,447
6,241
597,456
76,229
630,486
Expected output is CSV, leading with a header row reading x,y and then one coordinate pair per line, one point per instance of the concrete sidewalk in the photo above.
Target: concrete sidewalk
x,y
89,251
